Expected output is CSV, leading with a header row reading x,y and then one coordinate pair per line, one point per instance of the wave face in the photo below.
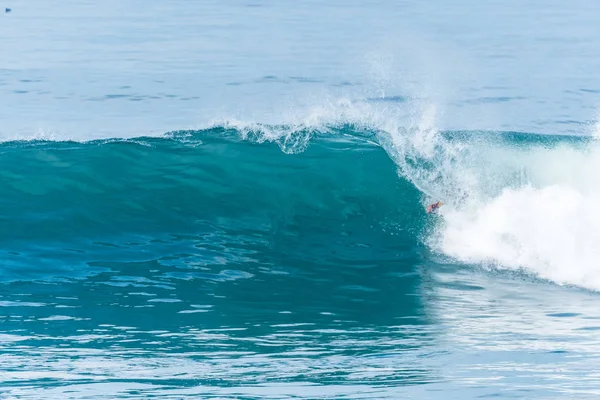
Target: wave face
x,y
512,200
64,202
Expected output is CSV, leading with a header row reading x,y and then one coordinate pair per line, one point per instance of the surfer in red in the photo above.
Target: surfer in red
x,y
433,207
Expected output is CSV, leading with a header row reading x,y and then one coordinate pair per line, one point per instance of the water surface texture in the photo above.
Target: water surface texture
x,y
227,200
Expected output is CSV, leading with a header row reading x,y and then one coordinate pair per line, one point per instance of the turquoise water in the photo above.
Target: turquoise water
x,y
227,200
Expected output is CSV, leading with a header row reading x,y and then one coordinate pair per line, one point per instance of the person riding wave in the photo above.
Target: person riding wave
x,y
433,207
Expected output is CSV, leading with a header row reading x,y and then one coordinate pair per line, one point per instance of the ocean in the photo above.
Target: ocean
x,y
226,199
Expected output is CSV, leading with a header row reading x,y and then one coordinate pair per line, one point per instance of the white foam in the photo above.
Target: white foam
x,y
541,216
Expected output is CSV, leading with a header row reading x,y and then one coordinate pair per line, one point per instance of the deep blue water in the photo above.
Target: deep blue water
x,y
227,200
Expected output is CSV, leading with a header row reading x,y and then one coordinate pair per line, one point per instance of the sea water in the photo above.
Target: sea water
x,y
226,199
